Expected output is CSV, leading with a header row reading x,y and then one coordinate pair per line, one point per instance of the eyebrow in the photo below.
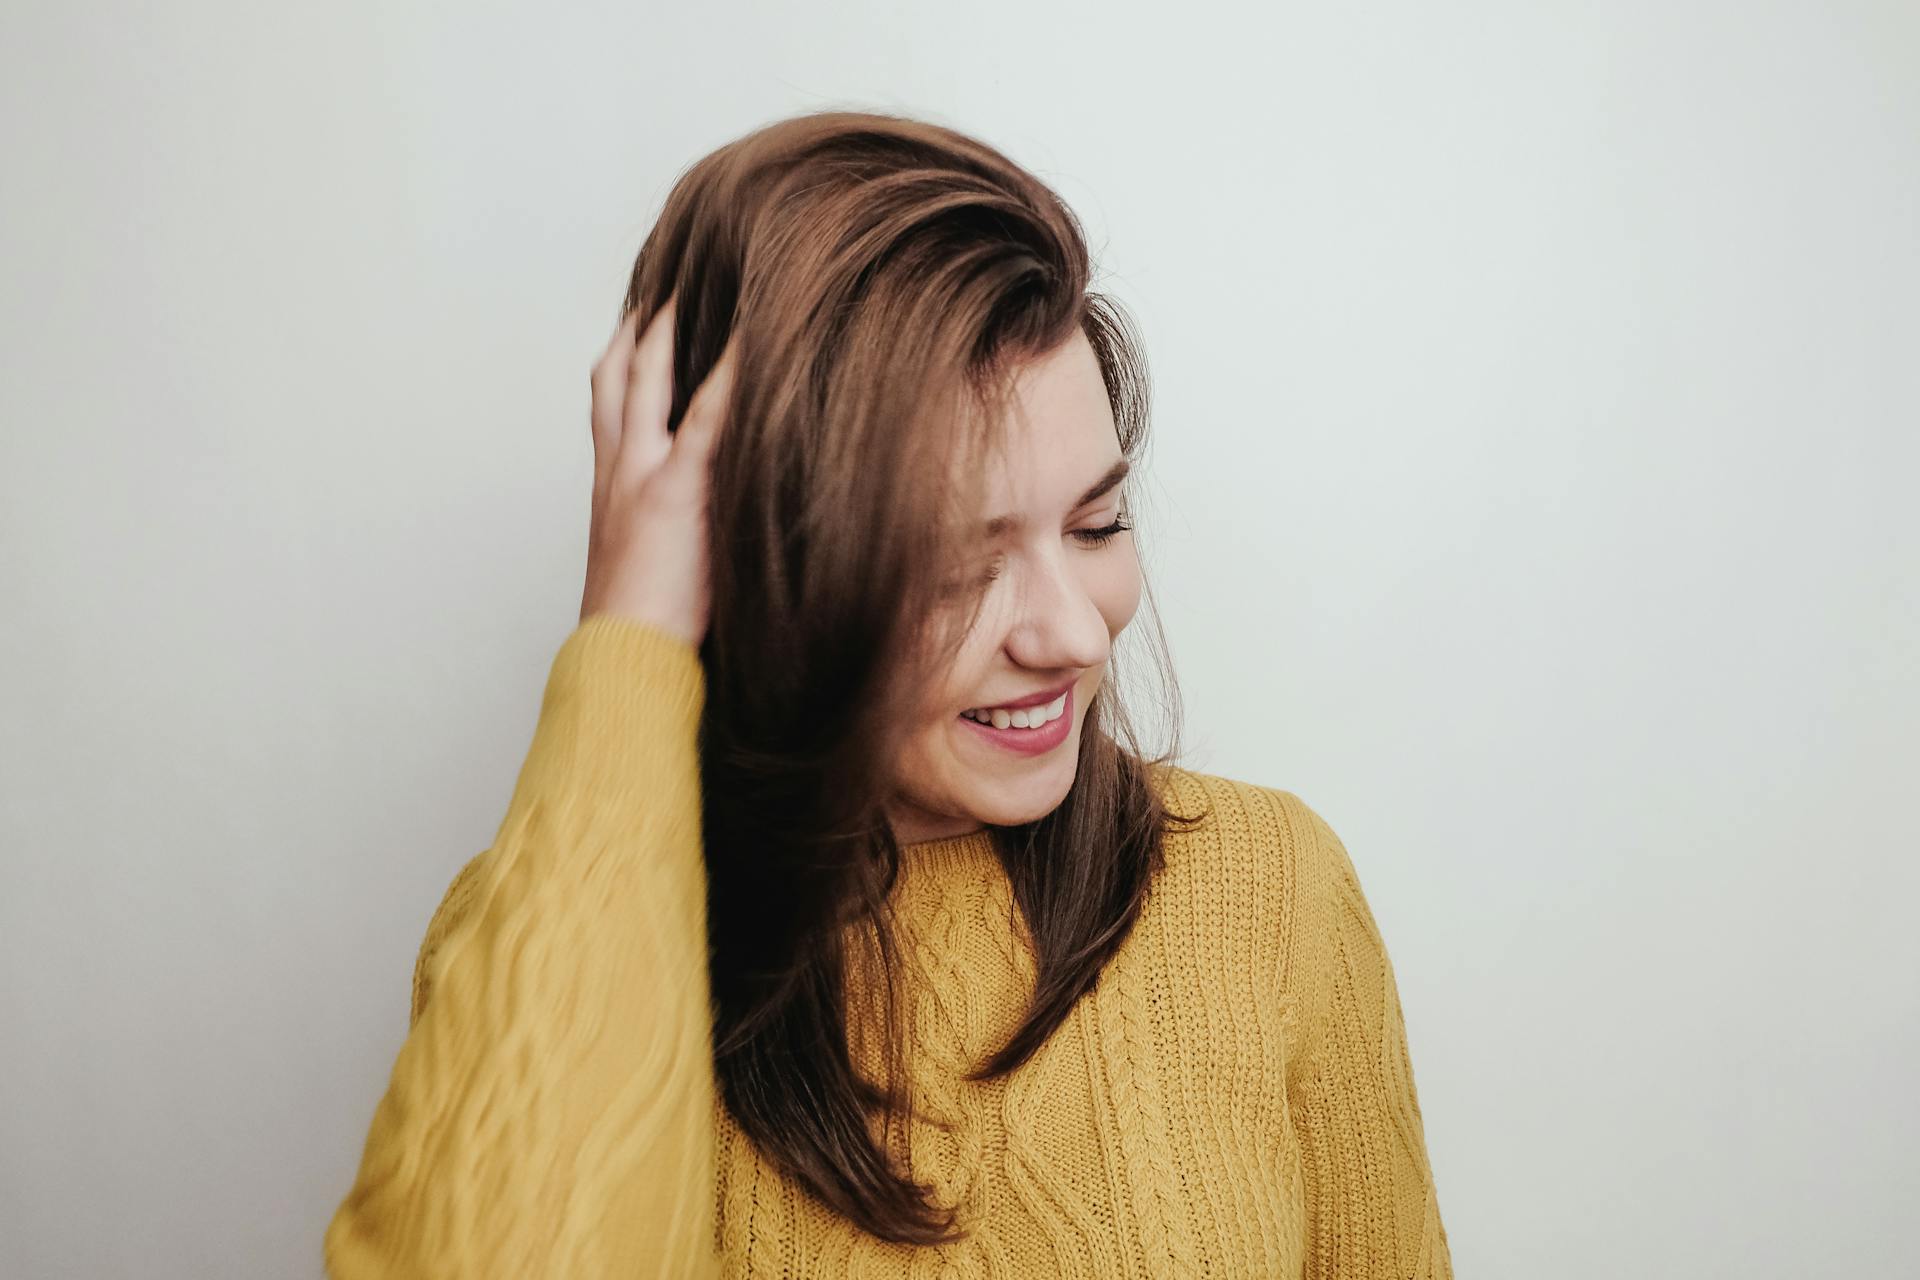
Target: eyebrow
x,y
1115,474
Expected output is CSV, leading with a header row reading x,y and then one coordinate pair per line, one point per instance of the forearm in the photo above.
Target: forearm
x,y
551,1110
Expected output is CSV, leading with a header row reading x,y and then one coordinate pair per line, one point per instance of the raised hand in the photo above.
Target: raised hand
x,y
647,549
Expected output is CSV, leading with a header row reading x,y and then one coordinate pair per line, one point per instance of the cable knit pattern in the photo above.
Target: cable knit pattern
x,y
1234,1099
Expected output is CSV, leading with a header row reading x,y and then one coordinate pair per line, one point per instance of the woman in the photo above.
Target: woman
x,y
831,928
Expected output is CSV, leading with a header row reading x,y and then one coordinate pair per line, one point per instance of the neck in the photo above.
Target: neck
x,y
913,825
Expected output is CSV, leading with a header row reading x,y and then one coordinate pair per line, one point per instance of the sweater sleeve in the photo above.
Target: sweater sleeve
x,y
1371,1208
550,1112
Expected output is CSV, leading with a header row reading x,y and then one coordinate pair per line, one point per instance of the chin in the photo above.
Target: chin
x,y
1011,801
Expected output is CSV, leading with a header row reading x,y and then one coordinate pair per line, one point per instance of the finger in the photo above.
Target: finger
x,y
649,398
608,382
707,412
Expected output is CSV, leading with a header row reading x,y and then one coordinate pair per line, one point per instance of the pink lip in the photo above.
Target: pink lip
x,y
1028,742
1033,699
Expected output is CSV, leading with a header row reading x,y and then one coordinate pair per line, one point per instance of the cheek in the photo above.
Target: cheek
x,y
970,665
1116,590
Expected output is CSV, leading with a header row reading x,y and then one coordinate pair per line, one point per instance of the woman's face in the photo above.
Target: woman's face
x,y
1064,586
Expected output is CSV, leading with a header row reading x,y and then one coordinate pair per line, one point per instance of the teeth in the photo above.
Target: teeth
x,y
1020,717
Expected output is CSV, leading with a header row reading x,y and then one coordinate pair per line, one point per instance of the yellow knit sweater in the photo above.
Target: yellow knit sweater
x,y
1234,1099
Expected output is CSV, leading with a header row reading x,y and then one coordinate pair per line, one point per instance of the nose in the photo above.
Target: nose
x,y
1056,623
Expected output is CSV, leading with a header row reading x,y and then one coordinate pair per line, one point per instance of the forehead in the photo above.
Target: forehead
x,y
1059,448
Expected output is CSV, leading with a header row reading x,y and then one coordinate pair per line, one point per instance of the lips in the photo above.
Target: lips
x,y
1026,700
1028,741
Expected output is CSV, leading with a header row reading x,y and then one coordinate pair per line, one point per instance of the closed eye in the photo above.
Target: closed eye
x,y
1088,537
1101,536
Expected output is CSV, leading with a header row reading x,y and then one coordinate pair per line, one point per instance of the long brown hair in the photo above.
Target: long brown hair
x,y
884,277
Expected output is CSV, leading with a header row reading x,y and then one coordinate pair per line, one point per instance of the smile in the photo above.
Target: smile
x,y
1023,730
1019,717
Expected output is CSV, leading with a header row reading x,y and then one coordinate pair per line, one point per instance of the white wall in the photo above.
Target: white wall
x,y
1537,388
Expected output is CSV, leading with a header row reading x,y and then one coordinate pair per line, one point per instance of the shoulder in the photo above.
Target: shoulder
x,y
1259,826
1266,855
1322,941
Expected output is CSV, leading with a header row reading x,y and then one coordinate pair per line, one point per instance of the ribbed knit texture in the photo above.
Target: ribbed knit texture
x,y
1234,1099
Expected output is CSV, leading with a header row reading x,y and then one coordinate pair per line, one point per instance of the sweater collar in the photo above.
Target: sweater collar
x,y
962,849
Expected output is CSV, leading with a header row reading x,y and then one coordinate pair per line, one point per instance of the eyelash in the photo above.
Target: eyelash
x,y
1088,537
1100,537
